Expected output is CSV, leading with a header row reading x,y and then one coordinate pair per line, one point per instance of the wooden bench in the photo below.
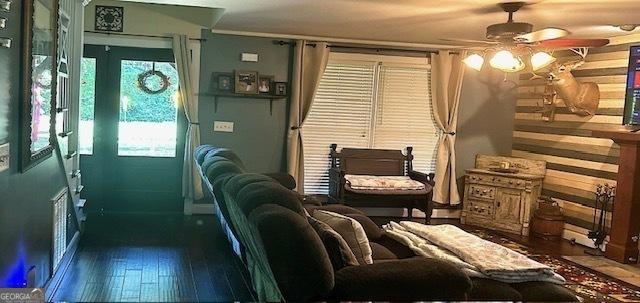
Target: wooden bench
x,y
378,162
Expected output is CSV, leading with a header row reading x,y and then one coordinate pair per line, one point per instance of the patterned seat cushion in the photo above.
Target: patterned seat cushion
x,y
367,182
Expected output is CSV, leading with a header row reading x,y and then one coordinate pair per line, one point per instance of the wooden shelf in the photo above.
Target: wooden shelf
x,y
217,95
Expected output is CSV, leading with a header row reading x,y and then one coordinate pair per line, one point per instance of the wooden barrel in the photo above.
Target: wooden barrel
x,y
548,220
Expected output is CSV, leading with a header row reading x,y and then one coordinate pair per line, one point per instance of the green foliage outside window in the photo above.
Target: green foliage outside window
x,y
141,106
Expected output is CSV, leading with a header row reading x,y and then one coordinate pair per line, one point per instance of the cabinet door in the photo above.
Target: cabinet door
x,y
508,205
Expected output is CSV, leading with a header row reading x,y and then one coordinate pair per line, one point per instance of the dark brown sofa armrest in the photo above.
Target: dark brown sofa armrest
x,y
422,177
284,179
414,279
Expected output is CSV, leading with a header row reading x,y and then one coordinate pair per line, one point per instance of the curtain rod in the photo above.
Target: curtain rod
x,y
282,42
140,35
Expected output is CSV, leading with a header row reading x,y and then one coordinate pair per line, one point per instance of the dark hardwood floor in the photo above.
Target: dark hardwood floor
x,y
154,258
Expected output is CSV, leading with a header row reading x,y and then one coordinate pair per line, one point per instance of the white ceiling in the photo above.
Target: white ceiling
x,y
414,21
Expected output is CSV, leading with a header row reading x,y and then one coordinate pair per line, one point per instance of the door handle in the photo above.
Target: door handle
x,y
498,203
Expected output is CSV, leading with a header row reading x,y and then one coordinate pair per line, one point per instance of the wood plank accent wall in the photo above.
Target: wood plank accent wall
x,y
576,162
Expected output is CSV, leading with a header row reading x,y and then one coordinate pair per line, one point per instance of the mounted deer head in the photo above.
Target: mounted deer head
x,y
580,98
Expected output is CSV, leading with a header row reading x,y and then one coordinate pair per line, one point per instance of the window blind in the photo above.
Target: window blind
x,y
341,114
369,104
404,116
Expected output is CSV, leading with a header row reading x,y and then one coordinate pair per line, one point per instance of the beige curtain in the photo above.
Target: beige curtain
x,y
310,61
191,182
447,72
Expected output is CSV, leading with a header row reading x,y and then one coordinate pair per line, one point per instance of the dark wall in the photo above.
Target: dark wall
x,y
485,118
25,198
259,138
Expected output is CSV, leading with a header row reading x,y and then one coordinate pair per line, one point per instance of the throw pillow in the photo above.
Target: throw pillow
x,y
351,231
337,248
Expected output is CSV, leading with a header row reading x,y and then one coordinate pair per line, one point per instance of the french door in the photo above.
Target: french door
x,y
131,130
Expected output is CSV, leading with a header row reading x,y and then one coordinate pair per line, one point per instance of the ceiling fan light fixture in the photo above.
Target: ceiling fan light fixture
x,y
540,60
474,61
505,61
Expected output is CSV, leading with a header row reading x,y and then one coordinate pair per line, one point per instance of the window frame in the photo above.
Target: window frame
x,y
377,61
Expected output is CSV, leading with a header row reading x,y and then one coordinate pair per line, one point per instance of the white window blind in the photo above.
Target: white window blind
x,y
341,114
369,103
404,116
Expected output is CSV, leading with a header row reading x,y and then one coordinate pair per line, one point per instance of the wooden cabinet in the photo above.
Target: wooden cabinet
x,y
501,200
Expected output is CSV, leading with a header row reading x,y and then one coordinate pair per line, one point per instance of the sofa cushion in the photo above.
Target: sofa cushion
x,y
201,151
487,289
258,193
400,250
337,248
295,253
352,232
219,167
336,208
414,279
544,292
225,153
373,231
239,181
379,252
284,179
212,160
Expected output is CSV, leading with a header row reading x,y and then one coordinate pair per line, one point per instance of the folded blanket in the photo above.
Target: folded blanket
x,y
474,255
383,182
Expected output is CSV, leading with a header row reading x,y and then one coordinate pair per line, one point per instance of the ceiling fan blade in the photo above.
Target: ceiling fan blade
x,y
543,34
572,43
471,41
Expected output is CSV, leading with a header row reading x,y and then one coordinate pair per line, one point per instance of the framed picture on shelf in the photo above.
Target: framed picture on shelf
x,y
246,82
280,88
223,82
265,84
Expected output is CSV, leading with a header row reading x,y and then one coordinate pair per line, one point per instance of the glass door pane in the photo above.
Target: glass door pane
x,y
87,106
148,109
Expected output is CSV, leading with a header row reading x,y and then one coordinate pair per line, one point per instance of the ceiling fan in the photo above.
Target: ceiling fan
x,y
511,41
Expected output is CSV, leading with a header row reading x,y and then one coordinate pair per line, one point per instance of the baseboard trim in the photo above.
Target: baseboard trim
x,y
443,213
203,209
581,238
52,285
446,213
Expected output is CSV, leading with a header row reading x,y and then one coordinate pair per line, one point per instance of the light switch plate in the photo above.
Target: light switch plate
x,y
4,157
249,57
223,126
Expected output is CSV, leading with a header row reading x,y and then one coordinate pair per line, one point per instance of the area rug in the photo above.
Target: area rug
x,y
588,285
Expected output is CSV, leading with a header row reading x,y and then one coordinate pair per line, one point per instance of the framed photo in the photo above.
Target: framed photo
x,y
223,82
265,85
246,82
280,89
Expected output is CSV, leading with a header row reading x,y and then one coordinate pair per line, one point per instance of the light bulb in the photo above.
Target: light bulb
x,y
540,60
474,61
505,61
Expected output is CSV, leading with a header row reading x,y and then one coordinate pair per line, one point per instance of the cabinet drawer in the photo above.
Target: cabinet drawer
x,y
483,208
482,192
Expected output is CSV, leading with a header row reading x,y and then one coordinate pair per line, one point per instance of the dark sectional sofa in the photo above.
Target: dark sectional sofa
x,y
267,225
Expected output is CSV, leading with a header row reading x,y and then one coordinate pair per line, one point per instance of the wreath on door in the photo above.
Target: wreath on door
x,y
153,82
